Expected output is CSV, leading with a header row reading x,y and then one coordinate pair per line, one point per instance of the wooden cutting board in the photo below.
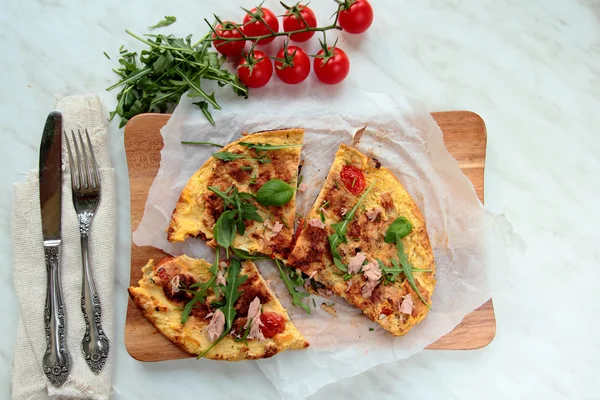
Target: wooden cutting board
x,y
465,137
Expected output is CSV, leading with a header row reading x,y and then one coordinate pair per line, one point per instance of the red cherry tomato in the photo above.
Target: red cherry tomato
x,y
261,71
296,73
254,27
353,179
335,69
231,48
273,324
293,23
357,18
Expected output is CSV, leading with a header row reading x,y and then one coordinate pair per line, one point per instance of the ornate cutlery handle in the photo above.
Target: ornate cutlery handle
x,y
95,344
56,361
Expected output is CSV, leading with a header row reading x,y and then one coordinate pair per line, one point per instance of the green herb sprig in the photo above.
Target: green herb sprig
x,y
268,147
339,235
291,280
169,19
166,69
399,229
231,295
228,156
201,290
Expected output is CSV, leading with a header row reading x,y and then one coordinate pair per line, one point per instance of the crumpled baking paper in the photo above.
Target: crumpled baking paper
x,y
405,138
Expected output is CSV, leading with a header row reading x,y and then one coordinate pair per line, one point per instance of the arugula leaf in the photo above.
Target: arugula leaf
x,y
169,19
203,143
284,274
408,269
338,263
275,193
268,147
401,227
340,229
227,156
242,210
154,79
225,229
244,255
231,295
202,290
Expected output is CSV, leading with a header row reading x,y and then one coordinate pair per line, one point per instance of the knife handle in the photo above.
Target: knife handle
x,y
95,344
56,362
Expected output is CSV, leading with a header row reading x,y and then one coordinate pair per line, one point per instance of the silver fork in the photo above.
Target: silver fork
x,y
85,183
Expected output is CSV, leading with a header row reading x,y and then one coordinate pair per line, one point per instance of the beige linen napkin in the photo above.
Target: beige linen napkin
x,y
28,378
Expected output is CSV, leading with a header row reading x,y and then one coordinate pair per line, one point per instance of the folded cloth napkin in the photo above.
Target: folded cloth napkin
x,y
28,378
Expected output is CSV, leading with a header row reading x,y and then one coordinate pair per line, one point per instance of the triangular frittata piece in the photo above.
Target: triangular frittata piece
x,y
396,306
246,169
163,292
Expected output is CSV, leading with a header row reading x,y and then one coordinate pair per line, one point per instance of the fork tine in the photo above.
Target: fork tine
x,y
94,165
86,164
71,163
82,181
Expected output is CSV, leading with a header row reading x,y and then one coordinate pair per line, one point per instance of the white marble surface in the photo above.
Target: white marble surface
x,y
531,69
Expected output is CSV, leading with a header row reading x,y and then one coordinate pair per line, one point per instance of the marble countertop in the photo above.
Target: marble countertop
x,y
531,69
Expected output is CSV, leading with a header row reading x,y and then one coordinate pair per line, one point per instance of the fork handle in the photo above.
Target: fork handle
x,y
95,344
56,362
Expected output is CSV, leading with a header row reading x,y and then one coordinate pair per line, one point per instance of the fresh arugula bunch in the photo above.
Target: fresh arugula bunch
x,y
400,228
231,294
169,67
340,229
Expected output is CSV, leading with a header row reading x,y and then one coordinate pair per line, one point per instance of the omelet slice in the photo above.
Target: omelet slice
x,y
198,208
163,293
396,306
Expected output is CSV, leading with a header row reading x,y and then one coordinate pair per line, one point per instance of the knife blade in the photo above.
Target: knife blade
x,y
56,361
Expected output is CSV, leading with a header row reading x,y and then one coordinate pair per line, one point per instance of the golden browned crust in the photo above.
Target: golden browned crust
x,y
311,253
198,209
151,297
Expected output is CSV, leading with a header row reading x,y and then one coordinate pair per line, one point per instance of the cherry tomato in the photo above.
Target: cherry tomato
x,y
293,23
228,31
296,73
261,71
353,179
273,324
357,18
335,69
254,27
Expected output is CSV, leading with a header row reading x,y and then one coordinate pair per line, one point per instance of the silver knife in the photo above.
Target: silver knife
x,y
56,362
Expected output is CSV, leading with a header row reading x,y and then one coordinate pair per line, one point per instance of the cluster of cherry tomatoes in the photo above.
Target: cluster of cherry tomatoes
x,y
292,64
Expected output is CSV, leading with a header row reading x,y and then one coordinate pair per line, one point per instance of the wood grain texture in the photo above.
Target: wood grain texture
x,y
465,137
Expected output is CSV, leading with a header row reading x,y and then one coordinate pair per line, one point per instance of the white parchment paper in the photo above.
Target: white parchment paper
x,y
404,137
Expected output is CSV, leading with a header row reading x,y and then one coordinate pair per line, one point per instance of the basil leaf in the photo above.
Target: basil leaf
x,y
227,156
275,193
400,227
